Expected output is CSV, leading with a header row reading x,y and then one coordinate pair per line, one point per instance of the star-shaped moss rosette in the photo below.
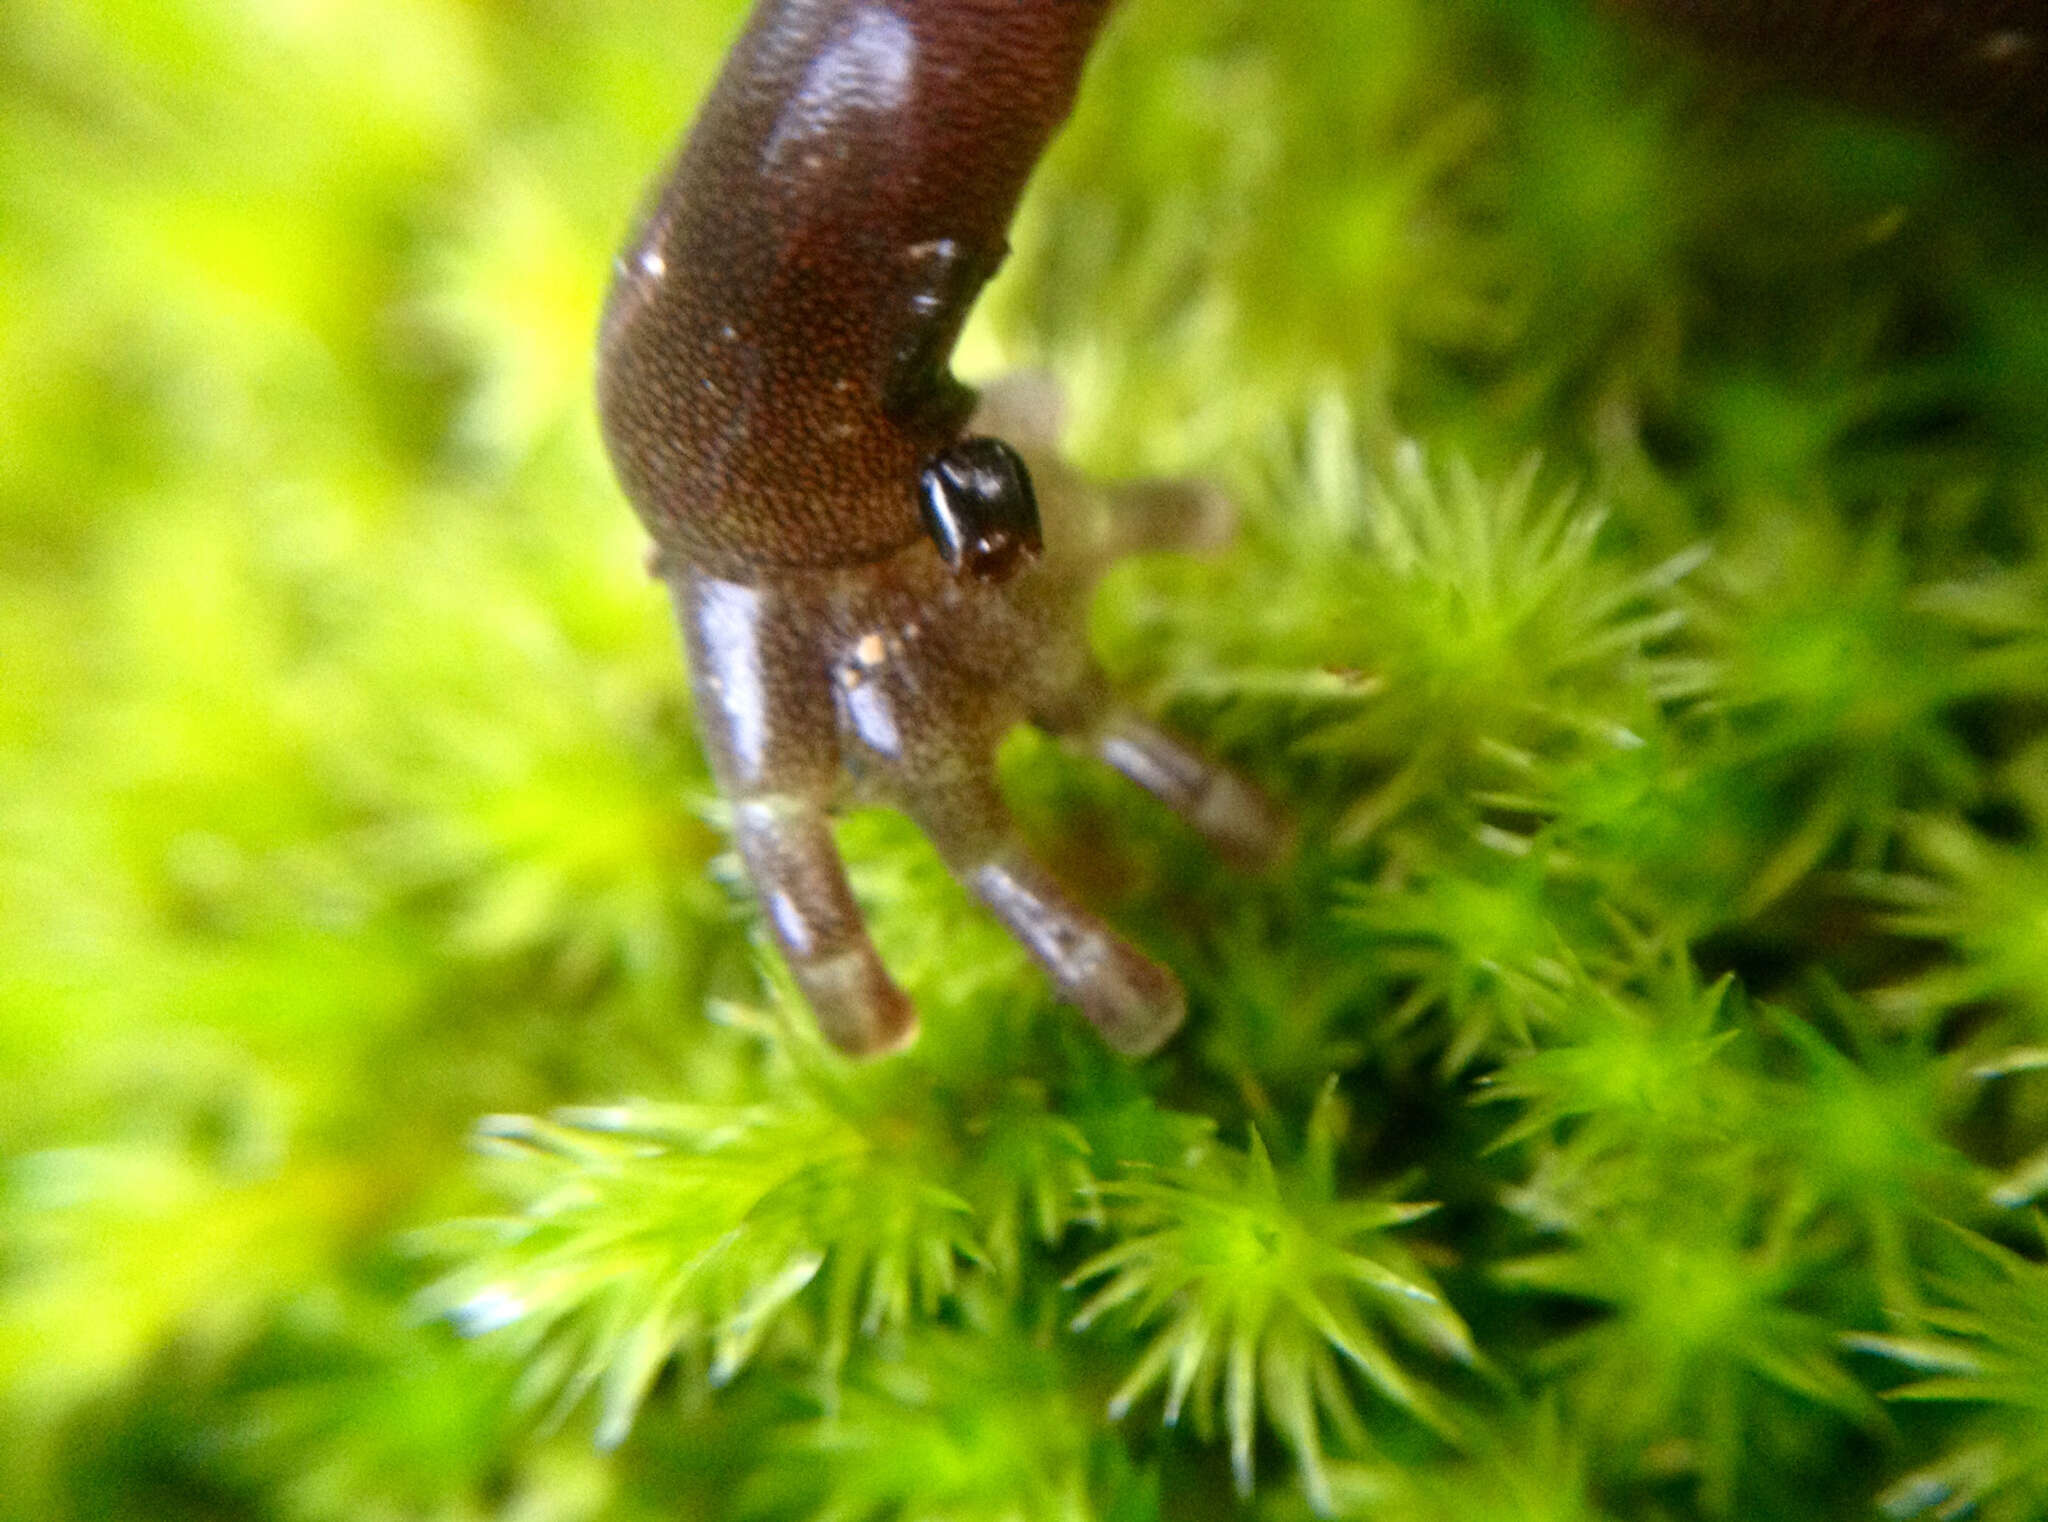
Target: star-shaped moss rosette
x,y
647,1234
1982,1347
1255,1287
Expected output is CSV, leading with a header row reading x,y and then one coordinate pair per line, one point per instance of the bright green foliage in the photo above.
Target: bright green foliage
x,y
978,1426
1627,1068
1524,1468
1639,608
653,1232
1647,1098
1836,679
1702,1332
1262,1285
1986,898
1182,199
1477,942
1499,636
1984,1346
325,1427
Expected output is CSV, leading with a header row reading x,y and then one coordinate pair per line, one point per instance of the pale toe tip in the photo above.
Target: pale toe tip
x,y
859,1009
1132,1000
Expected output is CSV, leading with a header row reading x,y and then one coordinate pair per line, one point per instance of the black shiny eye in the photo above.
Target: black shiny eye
x,y
978,507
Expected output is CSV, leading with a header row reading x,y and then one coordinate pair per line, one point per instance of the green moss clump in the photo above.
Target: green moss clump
x,y
1628,1100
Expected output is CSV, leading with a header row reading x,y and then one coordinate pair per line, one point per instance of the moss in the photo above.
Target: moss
x,y
1640,606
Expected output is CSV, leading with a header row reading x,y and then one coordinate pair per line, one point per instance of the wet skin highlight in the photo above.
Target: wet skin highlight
x,y
874,587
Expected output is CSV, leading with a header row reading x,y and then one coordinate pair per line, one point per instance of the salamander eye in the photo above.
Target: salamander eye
x,y
977,504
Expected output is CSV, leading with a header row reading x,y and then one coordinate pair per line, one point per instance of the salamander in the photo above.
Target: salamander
x,y
874,584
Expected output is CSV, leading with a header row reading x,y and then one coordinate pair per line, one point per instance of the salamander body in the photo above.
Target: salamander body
x,y
871,592
873,586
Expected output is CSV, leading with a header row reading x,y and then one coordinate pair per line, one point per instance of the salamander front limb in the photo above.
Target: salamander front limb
x,y
874,585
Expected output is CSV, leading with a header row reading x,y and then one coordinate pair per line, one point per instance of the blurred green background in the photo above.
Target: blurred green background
x,y
1642,603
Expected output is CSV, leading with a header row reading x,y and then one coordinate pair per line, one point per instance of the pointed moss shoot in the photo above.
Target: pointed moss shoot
x,y
1656,1142
1984,901
1629,1069
1502,639
649,1233
1706,1366
1525,1465
1983,1347
1478,944
1266,1284
1182,204
1840,685
974,1424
